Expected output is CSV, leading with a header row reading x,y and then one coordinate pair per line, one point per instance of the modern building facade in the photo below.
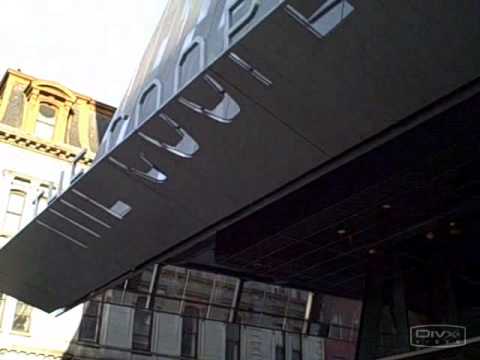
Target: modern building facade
x,y
328,146
165,312
169,312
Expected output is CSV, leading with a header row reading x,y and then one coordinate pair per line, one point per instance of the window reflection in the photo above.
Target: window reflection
x,y
142,325
199,295
210,294
171,281
296,346
272,306
141,281
190,332
90,323
342,315
232,348
279,346
199,286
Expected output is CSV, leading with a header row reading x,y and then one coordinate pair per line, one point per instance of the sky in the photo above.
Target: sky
x,y
91,46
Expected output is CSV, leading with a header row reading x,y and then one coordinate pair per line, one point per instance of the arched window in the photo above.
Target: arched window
x,y
15,208
45,124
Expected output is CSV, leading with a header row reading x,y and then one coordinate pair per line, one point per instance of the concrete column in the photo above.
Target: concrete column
x,y
399,307
372,308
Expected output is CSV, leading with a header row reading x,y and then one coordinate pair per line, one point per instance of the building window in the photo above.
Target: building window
x,y
296,350
279,352
190,332
279,345
272,306
211,294
90,325
45,125
232,348
14,213
142,325
149,102
22,319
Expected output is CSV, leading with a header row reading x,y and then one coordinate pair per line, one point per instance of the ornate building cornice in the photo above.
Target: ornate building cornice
x,y
62,152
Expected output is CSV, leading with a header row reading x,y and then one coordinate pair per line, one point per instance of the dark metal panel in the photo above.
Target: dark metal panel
x,y
250,129
416,190
236,163
381,63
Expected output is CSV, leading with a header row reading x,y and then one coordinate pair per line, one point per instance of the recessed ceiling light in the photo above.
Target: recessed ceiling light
x,y
430,235
341,231
452,224
372,251
386,206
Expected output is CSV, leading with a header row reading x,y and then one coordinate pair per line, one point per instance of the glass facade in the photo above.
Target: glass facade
x,y
177,290
180,307
89,327
142,325
272,306
232,346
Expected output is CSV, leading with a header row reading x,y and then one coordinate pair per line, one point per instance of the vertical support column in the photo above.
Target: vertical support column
x,y
453,258
452,313
7,93
236,301
152,287
87,109
322,328
442,265
32,105
308,312
372,308
61,122
400,311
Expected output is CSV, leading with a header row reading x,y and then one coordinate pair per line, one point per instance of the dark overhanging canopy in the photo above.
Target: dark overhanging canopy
x,y
241,102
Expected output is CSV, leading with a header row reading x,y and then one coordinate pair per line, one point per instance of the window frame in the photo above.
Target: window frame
x,y
192,332
39,119
15,190
144,287
294,352
143,311
233,343
98,321
29,316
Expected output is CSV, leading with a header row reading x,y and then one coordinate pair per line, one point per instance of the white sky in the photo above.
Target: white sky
x,y
90,46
